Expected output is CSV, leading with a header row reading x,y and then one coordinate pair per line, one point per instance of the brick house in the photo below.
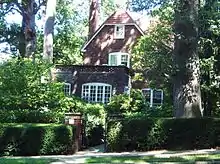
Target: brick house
x,y
106,61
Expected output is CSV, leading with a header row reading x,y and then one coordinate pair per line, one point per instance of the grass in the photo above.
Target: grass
x,y
211,158
152,159
25,161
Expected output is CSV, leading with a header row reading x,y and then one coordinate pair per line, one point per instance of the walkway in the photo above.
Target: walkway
x,y
95,152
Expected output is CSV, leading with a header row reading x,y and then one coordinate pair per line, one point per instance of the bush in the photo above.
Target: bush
x,y
36,139
21,86
143,134
123,103
135,104
94,117
30,116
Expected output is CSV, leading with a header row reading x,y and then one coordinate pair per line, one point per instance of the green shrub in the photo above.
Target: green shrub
x,y
30,116
36,139
94,115
124,103
143,134
21,86
135,104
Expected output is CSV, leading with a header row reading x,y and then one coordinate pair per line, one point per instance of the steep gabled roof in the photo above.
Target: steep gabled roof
x,y
118,17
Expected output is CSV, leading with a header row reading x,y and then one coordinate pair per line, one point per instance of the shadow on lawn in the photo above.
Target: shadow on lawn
x,y
26,161
148,159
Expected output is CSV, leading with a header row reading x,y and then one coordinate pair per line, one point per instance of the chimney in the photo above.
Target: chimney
x,y
93,17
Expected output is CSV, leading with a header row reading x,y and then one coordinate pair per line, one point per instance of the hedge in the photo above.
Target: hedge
x,y
30,116
162,133
36,139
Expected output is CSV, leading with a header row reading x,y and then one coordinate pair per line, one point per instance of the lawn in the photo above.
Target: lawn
x,y
26,161
153,159
213,158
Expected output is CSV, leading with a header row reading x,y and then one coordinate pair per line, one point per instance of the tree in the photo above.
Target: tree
x,y
186,78
48,30
209,56
186,89
26,38
93,17
152,55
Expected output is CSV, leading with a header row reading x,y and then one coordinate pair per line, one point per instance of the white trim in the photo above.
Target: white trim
x,y
96,85
84,47
122,36
152,96
69,87
118,58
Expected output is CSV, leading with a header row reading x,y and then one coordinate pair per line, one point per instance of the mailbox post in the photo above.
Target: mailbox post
x,y
75,119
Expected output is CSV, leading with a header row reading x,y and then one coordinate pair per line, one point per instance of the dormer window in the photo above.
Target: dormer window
x,y
119,32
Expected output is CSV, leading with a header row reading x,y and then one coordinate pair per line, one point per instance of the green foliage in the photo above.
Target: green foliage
x,y
140,5
36,139
135,105
21,87
124,103
209,56
94,119
152,59
143,134
31,116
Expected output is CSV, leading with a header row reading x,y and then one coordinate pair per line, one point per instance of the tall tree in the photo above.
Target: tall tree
x,y
48,30
28,26
26,38
186,89
93,17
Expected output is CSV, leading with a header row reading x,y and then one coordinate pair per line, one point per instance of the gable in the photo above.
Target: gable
x,y
119,17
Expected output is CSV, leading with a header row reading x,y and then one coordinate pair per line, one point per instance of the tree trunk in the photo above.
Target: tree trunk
x,y
93,17
186,89
28,25
48,30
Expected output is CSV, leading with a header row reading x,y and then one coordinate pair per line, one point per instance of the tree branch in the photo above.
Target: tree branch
x,y
19,7
39,6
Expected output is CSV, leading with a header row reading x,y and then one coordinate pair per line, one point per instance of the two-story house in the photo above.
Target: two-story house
x,y
106,67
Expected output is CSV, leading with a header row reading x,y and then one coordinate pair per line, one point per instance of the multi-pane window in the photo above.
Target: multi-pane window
x,y
96,92
119,58
119,32
124,59
153,96
67,88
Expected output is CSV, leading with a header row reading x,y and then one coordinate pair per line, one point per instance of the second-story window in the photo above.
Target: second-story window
x,y
67,89
119,32
119,58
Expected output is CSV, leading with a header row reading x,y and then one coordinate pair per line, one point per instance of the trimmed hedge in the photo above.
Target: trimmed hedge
x,y
145,134
36,139
30,116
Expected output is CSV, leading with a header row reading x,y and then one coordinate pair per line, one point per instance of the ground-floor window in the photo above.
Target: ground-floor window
x,y
96,92
153,96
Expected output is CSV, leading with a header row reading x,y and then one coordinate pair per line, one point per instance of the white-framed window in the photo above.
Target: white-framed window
x,y
96,92
119,32
127,90
119,58
153,96
67,88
